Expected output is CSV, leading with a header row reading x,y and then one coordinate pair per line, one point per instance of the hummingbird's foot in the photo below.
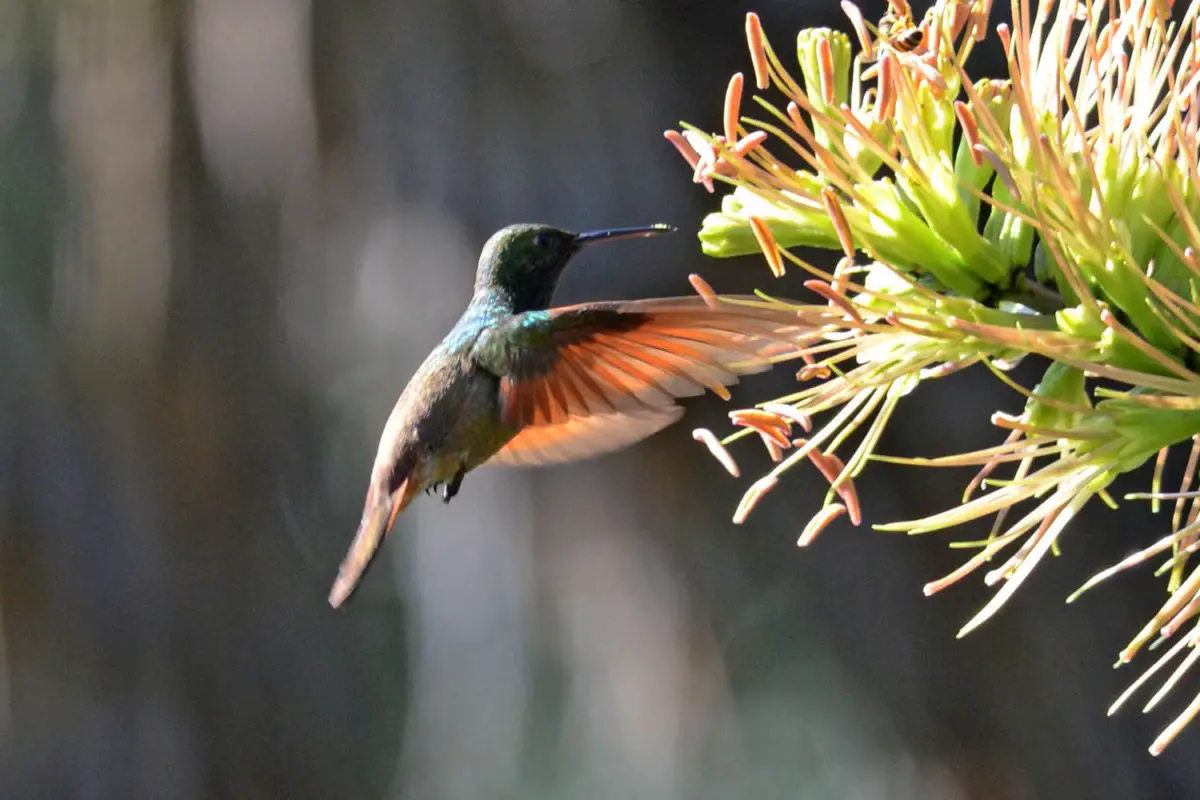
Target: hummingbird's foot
x,y
449,490
433,488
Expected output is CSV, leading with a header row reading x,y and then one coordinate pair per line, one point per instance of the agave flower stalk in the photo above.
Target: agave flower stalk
x,y
1050,210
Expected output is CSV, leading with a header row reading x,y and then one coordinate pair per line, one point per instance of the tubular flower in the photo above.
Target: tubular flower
x,y
1052,210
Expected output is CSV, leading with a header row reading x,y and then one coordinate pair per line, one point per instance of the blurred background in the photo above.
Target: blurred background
x,y
230,230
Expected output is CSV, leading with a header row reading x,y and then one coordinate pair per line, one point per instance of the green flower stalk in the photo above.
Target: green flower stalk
x,y
1053,210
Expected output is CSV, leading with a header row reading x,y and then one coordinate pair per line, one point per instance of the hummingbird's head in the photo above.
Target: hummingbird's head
x,y
525,261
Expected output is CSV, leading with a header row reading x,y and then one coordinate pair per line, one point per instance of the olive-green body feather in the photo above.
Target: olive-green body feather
x,y
447,419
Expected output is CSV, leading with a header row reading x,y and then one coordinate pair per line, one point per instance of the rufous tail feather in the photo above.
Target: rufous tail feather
x,y
376,524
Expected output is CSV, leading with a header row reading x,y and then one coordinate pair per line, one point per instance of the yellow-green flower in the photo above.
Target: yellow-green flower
x,y
1054,209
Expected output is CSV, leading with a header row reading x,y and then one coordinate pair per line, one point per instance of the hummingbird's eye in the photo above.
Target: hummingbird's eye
x,y
542,240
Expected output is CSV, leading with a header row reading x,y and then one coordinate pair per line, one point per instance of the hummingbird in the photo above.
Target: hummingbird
x,y
517,382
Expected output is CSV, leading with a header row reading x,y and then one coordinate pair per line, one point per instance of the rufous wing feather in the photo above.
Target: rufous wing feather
x,y
589,379
580,437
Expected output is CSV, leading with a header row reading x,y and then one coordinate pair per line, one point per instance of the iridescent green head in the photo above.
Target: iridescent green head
x,y
524,262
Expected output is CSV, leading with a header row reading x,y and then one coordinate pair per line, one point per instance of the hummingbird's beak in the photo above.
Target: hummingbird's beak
x,y
591,237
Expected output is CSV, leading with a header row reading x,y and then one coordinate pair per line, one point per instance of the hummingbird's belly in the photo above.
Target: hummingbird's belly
x,y
475,432
470,444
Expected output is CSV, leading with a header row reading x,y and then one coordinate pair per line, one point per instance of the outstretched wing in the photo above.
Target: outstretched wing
x,y
583,380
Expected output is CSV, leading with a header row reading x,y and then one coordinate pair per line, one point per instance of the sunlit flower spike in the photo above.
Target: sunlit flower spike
x,y
1052,210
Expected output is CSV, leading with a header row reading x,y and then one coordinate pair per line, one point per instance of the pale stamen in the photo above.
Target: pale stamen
x,y
733,104
766,242
685,149
752,496
758,51
705,290
838,217
819,522
709,440
825,62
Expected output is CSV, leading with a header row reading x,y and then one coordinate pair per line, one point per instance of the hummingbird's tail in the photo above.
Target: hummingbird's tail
x,y
378,518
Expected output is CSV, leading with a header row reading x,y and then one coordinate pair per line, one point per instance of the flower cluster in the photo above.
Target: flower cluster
x,y
1054,210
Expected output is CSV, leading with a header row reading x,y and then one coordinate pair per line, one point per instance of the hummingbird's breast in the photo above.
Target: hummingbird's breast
x,y
448,417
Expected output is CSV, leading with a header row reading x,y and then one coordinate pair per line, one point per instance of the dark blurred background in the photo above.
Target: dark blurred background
x,y
229,231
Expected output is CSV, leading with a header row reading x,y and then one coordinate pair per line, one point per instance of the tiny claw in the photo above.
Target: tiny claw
x,y
450,489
